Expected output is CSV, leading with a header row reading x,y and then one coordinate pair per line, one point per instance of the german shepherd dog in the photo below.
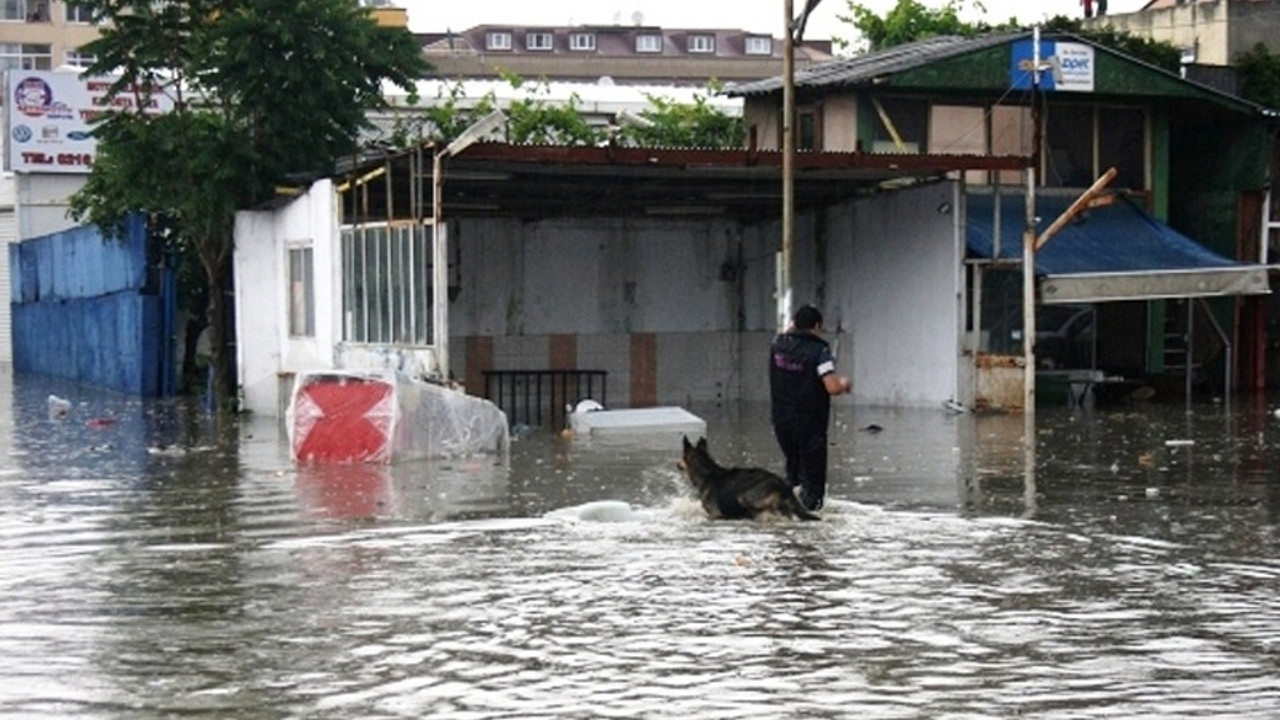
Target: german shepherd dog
x,y
738,493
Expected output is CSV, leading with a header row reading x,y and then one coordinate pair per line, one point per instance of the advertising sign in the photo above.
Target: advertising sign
x,y
1064,66
49,115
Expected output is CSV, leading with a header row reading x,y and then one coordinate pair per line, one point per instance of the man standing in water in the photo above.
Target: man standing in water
x,y
802,379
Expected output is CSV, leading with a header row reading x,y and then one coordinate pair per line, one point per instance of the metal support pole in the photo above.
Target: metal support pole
x,y
439,267
1029,249
788,170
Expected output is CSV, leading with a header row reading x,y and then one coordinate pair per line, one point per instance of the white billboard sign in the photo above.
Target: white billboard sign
x,y
49,115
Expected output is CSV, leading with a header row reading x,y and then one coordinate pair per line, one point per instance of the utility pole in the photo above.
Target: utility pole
x,y
788,167
1029,243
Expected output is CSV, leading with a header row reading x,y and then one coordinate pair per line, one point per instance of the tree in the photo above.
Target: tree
x,y
262,91
672,124
536,118
1153,52
1259,72
910,20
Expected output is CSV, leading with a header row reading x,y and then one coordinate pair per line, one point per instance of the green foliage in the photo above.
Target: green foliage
x,y
672,124
910,20
1259,71
538,119
263,90
1153,52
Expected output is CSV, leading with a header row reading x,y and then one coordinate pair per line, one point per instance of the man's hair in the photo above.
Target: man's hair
x,y
807,318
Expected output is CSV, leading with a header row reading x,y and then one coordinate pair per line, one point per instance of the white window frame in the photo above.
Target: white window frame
x,y
758,45
77,15
25,11
701,44
26,56
302,289
77,59
582,41
387,291
539,41
649,43
497,40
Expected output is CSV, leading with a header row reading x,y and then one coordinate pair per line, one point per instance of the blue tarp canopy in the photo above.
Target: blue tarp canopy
x,y
1111,252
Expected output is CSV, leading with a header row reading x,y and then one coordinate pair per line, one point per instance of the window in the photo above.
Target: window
x,y
302,298
809,128
759,45
24,56
25,10
387,284
1077,153
702,43
648,43
582,41
900,125
79,15
539,41
497,41
78,59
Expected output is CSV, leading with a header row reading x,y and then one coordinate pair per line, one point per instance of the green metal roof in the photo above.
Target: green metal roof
x,y
982,64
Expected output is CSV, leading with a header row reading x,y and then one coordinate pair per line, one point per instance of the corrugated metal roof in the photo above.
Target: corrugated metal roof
x,y
865,68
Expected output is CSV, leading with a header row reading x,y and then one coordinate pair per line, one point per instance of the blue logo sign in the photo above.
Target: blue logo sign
x,y
21,133
1063,66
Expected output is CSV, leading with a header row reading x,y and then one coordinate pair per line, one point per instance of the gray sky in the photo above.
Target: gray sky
x,y
764,16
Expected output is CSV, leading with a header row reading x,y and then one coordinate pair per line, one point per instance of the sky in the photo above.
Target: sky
x,y
763,16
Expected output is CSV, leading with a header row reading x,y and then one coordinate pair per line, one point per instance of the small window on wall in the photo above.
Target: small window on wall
x,y
582,41
1122,145
809,128
648,43
78,59
497,41
900,125
302,305
78,15
1068,146
539,41
758,45
702,43
1083,141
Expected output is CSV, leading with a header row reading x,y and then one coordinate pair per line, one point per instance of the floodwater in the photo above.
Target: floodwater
x,y
1128,567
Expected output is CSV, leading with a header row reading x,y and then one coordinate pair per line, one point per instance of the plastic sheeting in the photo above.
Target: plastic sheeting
x,y
384,417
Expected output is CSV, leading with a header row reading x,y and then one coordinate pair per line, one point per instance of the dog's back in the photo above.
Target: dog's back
x,y
738,493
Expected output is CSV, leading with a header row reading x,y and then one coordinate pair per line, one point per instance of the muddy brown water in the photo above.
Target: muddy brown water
x,y
1129,567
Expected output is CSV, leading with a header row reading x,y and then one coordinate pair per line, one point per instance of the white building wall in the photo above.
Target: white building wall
x,y
268,356
886,271
905,294
44,202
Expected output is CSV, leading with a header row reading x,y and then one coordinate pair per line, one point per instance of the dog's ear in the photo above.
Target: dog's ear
x,y
687,446
702,444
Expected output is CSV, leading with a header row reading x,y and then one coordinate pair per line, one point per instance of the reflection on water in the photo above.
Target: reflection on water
x,y
150,571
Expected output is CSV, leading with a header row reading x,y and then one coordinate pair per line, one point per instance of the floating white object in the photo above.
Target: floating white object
x,y
674,420
59,407
604,511
1179,443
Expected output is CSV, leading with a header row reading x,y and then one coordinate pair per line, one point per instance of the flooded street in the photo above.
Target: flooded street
x,y
149,572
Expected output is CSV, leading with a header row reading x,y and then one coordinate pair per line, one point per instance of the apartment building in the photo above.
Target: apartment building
x,y
44,34
624,54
